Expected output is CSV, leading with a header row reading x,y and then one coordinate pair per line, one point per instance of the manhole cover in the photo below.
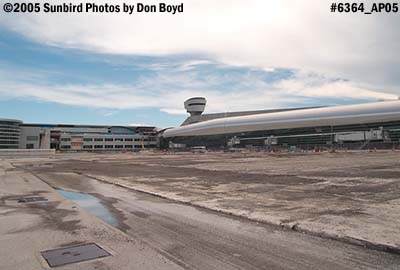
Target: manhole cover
x,y
74,254
32,199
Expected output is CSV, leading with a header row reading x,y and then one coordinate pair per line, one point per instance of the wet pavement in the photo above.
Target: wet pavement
x,y
91,204
195,238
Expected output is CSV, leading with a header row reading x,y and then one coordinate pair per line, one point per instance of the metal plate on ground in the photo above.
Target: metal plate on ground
x,y
74,254
32,199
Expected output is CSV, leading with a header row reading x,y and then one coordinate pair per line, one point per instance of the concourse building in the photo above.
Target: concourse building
x,y
354,126
14,134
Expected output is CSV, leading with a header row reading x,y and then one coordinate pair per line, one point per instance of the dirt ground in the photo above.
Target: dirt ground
x,y
353,196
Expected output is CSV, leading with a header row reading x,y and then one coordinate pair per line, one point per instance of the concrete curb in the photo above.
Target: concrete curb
x,y
293,227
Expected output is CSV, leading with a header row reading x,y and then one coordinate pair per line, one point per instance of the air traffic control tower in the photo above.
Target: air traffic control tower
x,y
195,106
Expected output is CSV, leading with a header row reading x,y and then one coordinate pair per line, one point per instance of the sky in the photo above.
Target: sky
x,y
138,69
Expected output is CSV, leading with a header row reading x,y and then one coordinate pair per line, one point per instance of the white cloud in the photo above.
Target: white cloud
x,y
175,111
303,35
190,65
139,125
250,92
319,87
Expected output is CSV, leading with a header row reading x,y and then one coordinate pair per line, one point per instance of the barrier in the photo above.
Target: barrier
x,y
26,153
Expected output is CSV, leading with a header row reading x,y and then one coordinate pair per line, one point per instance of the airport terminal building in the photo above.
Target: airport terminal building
x,y
355,126
350,126
14,134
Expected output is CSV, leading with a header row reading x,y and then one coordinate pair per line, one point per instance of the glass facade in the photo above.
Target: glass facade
x,y
9,134
321,135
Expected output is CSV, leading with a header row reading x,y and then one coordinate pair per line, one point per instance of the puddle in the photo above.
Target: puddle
x,y
91,204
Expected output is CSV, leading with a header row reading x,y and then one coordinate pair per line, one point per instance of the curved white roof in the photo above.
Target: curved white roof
x,y
10,120
338,115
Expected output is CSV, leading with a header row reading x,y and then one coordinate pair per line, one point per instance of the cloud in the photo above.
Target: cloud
x,y
139,125
225,90
267,34
313,86
175,111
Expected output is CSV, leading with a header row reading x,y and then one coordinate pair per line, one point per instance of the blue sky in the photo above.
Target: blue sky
x,y
64,66
55,70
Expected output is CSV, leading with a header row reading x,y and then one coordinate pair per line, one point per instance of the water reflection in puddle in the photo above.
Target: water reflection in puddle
x,y
91,204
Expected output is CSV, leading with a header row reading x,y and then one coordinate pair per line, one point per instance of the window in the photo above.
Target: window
x,y
88,139
88,147
119,146
129,139
119,139
98,146
65,146
8,130
128,146
8,142
98,139
8,134
32,138
65,139
109,139
30,146
109,146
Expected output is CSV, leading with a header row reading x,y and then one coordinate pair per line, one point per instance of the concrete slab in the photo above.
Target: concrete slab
x,y
28,229
349,196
